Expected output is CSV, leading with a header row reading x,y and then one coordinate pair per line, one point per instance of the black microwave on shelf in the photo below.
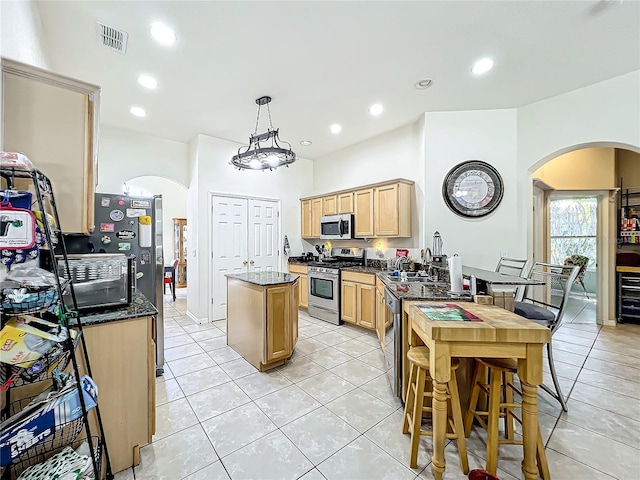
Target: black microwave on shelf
x,y
337,227
100,280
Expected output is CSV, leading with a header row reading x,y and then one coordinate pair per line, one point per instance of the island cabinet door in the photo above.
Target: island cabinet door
x,y
278,323
366,306
349,304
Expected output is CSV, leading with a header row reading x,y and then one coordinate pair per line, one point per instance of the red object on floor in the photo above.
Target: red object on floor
x,y
481,475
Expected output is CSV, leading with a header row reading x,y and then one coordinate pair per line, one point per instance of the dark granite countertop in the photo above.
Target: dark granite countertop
x,y
265,278
366,269
300,262
422,291
140,306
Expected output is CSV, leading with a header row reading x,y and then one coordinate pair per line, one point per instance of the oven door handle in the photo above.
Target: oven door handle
x,y
323,277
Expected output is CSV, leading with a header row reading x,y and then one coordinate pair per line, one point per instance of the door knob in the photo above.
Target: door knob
x,y
252,262
244,263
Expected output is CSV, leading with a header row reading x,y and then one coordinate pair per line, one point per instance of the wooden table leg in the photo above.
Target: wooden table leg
x,y
440,369
530,373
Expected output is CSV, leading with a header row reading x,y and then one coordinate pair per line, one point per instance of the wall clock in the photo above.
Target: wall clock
x,y
472,189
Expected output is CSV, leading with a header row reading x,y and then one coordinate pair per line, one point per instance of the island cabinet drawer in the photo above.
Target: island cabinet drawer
x,y
300,269
366,278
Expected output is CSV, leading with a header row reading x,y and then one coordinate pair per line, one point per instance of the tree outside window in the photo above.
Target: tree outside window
x,y
573,228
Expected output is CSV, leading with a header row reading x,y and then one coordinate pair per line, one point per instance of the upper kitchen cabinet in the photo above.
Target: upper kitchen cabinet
x,y
392,207
380,210
345,203
330,205
54,121
306,218
316,213
363,202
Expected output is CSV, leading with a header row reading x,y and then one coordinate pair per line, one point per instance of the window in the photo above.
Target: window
x,y
573,228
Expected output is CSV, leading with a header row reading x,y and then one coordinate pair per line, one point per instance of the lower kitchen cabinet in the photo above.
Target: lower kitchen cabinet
x,y
382,313
359,299
304,283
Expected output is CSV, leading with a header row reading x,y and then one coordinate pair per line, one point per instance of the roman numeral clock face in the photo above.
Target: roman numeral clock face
x,y
472,189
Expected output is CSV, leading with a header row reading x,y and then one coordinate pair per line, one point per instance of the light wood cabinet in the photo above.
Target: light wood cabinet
x,y
330,205
392,207
316,213
180,250
54,121
363,203
345,203
380,210
349,302
358,299
123,364
305,221
303,300
262,321
279,344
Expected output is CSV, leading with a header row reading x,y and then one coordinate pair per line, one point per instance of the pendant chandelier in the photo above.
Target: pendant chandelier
x,y
264,150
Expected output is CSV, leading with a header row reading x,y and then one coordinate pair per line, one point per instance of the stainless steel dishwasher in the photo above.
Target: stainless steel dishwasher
x,y
393,343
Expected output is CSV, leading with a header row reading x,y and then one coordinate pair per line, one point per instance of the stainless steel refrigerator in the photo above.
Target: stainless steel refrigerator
x,y
133,225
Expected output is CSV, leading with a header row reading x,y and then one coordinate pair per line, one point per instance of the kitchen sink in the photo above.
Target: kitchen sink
x,y
410,278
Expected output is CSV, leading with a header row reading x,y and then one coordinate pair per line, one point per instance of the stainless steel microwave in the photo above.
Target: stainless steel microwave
x,y
337,227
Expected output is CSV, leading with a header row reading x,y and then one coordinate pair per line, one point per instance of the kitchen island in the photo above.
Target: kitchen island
x,y
262,317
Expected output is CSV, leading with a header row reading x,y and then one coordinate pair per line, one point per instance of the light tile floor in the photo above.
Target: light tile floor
x,y
328,414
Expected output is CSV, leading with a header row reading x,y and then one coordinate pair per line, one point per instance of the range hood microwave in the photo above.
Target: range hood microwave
x,y
337,227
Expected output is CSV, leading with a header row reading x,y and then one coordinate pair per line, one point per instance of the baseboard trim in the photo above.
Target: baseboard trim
x,y
196,319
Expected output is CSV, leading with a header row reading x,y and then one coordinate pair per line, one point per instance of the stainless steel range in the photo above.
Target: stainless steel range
x,y
324,282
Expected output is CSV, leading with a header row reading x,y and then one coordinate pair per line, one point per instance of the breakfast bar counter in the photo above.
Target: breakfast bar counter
x,y
262,317
499,334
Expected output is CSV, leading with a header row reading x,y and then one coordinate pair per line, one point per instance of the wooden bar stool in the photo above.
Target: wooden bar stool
x,y
414,408
501,405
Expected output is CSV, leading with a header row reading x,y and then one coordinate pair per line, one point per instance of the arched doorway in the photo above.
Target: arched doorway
x,y
573,178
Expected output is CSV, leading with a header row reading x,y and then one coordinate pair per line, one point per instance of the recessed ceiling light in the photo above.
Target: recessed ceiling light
x,y
335,128
425,83
138,112
163,34
148,81
376,109
306,143
482,66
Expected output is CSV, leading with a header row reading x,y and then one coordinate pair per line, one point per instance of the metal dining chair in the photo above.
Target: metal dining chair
x,y
516,267
546,304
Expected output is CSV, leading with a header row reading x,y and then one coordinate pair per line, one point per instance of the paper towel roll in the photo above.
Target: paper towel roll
x,y
455,273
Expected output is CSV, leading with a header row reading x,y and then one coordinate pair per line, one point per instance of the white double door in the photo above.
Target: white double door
x,y
245,240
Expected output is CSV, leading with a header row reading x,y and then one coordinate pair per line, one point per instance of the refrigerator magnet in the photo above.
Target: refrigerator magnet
x,y
105,239
116,215
105,201
126,234
124,246
140,203
107,227
121,202
136,212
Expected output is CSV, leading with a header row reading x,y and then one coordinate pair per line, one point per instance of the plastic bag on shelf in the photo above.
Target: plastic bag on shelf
x,y
25,339
33,276
47,414
15,160
65,465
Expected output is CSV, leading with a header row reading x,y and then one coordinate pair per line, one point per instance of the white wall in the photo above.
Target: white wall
x,y
20,39
211,172
20,33
123,154
454,137
174,205
396,154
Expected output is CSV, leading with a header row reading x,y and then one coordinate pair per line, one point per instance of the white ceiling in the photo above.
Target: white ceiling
x,y
327,61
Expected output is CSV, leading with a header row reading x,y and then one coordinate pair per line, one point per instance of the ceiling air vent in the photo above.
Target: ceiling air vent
x,y
112,37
